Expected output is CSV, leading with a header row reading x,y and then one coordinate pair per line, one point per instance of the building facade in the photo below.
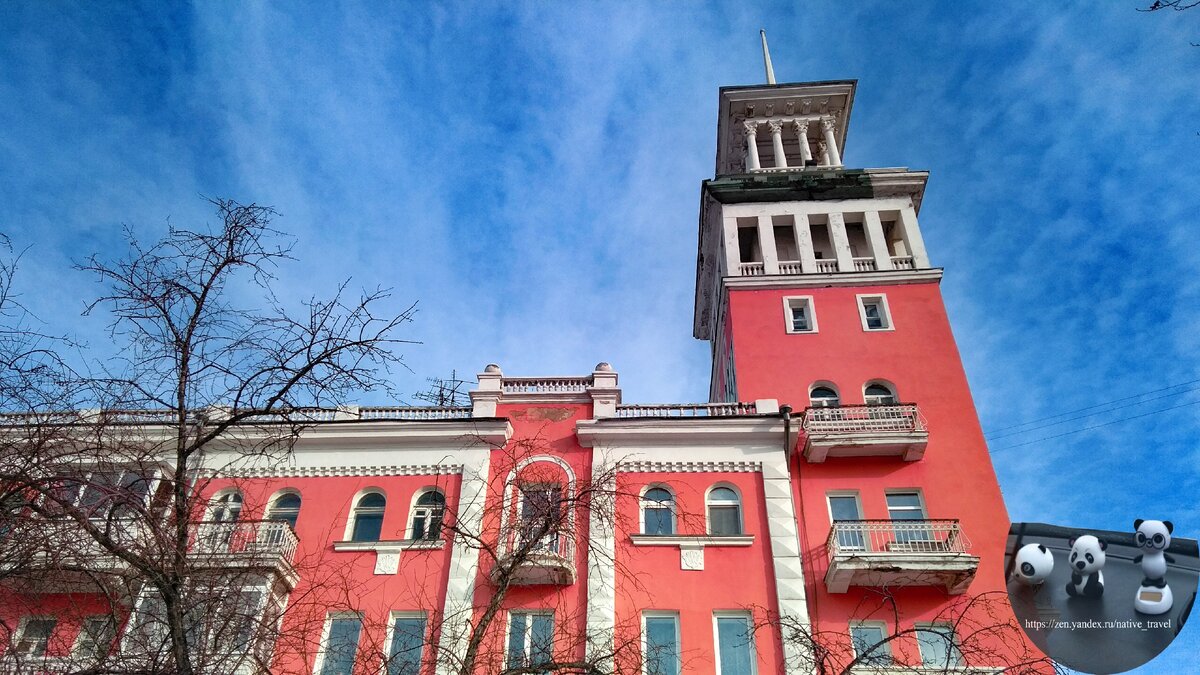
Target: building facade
x,y
833,504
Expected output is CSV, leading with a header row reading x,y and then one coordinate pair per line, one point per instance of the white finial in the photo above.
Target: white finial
x,y
767,57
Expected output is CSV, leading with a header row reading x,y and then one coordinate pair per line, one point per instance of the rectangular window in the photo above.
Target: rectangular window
x,y
406,644
35,636
95,639
340,644
870,642
845,507
939,646
907,506
542,516
530,639
798,314
735,643
661,643
873,310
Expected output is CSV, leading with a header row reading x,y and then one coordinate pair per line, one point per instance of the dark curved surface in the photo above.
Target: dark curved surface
x,y
1101,635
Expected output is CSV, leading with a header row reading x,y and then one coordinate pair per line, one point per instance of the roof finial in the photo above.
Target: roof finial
x,y
767,57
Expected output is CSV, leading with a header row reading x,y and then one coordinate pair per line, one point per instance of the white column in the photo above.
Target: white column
x,y
883,257
751,145
766,241
733,254
801,127
464,560
827,125
911,234
601,578
776,128
841,242
785,553
804,244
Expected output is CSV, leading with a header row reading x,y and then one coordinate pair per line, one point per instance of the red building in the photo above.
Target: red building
x,y
824,518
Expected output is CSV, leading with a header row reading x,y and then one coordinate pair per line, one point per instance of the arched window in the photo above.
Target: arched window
x,y
427,515
724,512
368,517
879,394
226,508
286,507
824,397
658,511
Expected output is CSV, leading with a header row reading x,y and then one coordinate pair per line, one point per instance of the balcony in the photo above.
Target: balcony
x,y
895,553
251,545
865,431
548,562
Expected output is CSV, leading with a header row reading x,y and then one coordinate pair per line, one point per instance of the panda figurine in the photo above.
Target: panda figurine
x,y
1153,537
1033,565
1087,563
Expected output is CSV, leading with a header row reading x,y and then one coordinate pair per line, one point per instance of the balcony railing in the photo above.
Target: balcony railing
x,y
549,561
903,262
865,430
686,410
864,264
790,267
545,385
824,265
751,269
415,413
899,553
248,540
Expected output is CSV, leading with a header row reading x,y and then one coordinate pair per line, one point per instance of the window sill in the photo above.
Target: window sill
x,y
690,540
388,545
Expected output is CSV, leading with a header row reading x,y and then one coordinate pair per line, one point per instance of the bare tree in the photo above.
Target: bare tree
x,y
210,364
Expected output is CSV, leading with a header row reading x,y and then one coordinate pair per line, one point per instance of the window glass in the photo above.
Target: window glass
x,y
368,517
427,515
868,640
724,512
341,646
877,394
286,508
873,314
734,645
541,516
662,645
939,646
227,508
95,638
824,397
530,639
35,637
408,639
845,507
659,511
905,506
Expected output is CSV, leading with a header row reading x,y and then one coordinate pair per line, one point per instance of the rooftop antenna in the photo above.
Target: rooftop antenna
x,y
767,57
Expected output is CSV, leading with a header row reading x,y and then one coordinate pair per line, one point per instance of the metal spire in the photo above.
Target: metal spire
x,y
767,57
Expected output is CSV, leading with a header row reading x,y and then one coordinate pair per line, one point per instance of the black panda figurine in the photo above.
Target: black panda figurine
x,y
1087,562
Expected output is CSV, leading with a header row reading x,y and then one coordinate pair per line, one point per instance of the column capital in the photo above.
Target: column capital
x,y
801,126
751,127
828,124
776,126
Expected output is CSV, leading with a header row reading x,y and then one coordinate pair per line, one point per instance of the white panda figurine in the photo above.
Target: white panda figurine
x,y
1087,561
1153,537
1033,565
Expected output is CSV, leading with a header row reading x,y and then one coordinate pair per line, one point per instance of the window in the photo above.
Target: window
x,y
798,314
542,516
939,646
100,493
368,517
907,506
658,511
869,642
879,394
95,639
530,639
406,644
660,646
427,515
226,508
340,644
34,636
735,643
286,508
873,310
842,508
724,512
822,396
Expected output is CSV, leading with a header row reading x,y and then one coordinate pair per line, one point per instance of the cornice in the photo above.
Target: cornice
x,y
335,471
763,430
815,280
719,466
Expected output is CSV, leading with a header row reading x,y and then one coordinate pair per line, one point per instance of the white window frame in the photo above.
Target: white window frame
x,y
741,510
410,532
528,636
215,504
882,648
886,312
673,507
726,614
324,645
79,638
906,491
354,510
662,614
271,510
954,652
23,627
824,384
791,301
883,384
843,493
391,629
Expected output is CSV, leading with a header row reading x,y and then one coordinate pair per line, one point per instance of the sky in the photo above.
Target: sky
x,y
529,175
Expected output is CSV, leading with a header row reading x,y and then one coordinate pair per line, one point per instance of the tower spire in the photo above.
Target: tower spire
x,y
767,57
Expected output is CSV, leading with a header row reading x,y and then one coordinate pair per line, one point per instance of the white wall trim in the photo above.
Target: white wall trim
x,y
328,471
657,466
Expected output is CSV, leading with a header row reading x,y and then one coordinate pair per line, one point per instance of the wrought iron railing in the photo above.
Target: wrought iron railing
x,y
896,537
686,410
850,419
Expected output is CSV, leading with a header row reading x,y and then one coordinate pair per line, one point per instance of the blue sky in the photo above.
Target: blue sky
x,y
529,174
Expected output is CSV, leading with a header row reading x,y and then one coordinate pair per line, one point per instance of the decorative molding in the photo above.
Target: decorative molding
x,y
686,540
822,280
331,471
657,466
389,545
776,126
